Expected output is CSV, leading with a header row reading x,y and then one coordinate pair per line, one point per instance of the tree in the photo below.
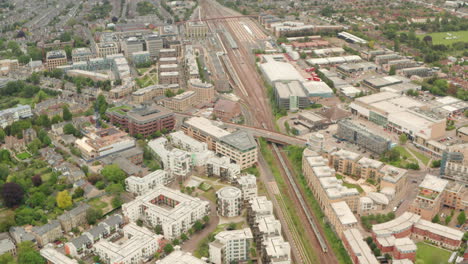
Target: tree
x,y
12,194
158,229
115,188
27,254
435,163
427,39
176,242
392,70
198,225
461,218
69,129
184,237
139,222
206,219
2,135
436,219
36,180
92,215
66,114
113,173
168,248
4,172
79,192
116,201
7,258
448,219
64,200
403,139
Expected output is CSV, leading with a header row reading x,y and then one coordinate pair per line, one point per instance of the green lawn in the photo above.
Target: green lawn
x,y
120,109
405,159
23,155
427,254
350,185
425,159
97,203
445,38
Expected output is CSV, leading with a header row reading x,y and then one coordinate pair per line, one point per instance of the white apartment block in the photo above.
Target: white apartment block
x,y
53,256
267,227
141,185
230,246
276,251
248,185
138,245
223,168
182,141
174,211
260,207
180,257
176,161
11,115
229,201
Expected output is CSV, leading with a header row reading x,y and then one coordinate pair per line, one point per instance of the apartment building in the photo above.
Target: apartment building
x,y
357,248
326,188
264,228
181,102
343,160
74,218
276,250
248,185
363,137
174,211
98,143
342,218
169,67
144,120
180,257
229,201
55,58
223,168
149,93
240,147
81,54
138,245
438,234
169,78
7,66
47,233
257,208
454,163
131,45
55,257
393,181
169,60
430,197
141,185
226,110
191,65
11,115
182,141
204,92
204,130
107,48
176,162
231,246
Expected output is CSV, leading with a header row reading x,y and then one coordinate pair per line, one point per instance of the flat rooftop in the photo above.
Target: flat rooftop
x,y
344,213
240,140
206,126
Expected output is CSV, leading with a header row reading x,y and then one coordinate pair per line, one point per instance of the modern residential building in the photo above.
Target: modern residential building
x,y
55,257
55,58
430,197
362,136
342,218
148,93
248,185
182,141
11,115
454,163
229,201
191,64
98,143
176,162
169,78
74,218
222,167
357,248
240,147
257,208
180,257
144,120
168,53
142,185
276,250
231,246
181,102
204,130
174,211
137,245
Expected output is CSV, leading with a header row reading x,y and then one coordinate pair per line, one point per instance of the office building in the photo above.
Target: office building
x,y
231,246
360,135
204,92
181,102
454,163
174,211
196,29
107,48
226,110
81,54
131,45
140,57
169,77
290,95
191,64
169,67
204,130
141,185
55,58
240,147
137,245
144,120
154,44
229,201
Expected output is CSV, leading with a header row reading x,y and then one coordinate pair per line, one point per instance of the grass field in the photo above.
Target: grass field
x,y
23,155
427,254
425,159
445,38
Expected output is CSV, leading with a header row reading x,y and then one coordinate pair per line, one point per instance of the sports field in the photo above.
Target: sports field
x,y
447,38
428,254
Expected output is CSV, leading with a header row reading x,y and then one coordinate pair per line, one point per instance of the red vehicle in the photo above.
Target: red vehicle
x,y
316,79
310,69
309,79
